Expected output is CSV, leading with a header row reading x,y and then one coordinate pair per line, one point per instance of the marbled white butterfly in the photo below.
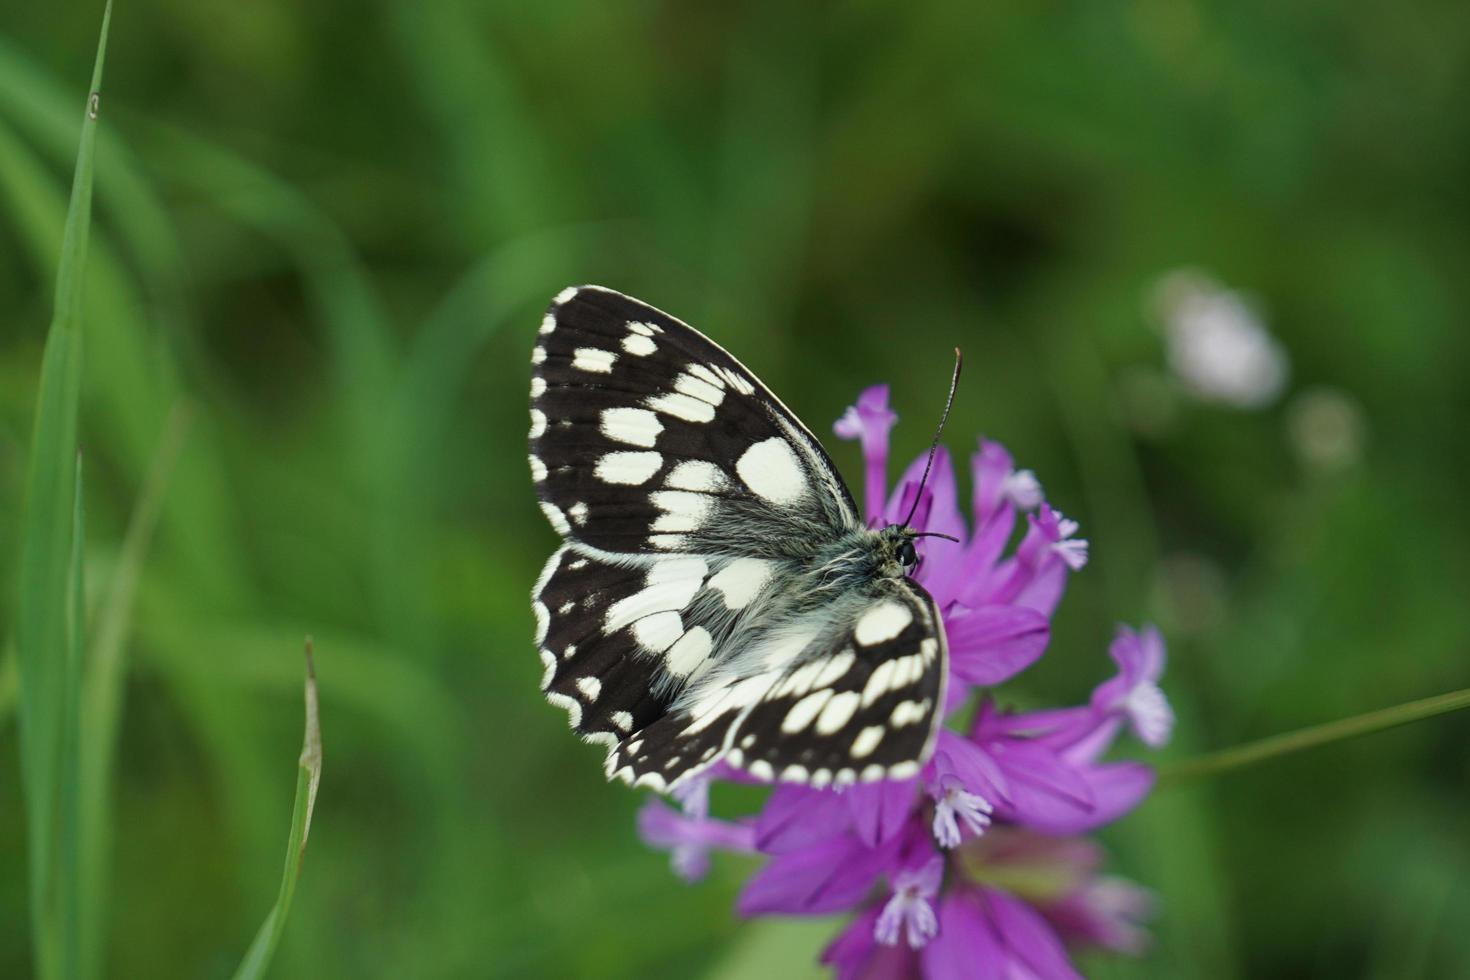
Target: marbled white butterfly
x,y
717,596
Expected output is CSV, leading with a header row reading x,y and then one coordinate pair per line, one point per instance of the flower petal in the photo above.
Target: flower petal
x,y
854,955
970,764
1045,790
1028,938
966,947
796,816
880,809
824,877
870,420
992,644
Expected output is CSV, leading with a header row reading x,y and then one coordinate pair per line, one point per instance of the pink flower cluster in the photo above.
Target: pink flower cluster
x,y
974,867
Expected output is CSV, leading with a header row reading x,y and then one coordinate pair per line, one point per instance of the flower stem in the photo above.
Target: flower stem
x,y
1265,749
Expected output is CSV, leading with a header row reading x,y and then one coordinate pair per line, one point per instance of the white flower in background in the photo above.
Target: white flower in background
x,y
1325,427
1218,348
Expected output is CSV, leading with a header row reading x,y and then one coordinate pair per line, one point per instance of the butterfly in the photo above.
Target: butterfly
x,y
717,597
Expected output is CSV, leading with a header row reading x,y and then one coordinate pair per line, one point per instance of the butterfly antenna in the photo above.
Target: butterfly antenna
x,y
954,383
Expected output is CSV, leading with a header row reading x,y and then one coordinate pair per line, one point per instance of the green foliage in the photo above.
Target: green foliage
x,y
330,230
308,779
50,618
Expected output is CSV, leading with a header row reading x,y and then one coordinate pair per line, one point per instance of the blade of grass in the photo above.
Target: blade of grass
x,y
101,694
9,682
48,626
308,777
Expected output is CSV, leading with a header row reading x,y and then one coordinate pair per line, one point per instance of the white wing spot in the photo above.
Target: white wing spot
x,y
566,607
682,570
866,742
761,769
682,406
538,387
872,773
634,426
578,512
771,470
548,323
795,774
621,720
594,360
682,510
538,355
667,542
821,778
882,623
688,384
741,581
589,686
538,468
628,469
543,621
878,682
838,712
908,713
804,711
652,780
834,669
578,564
556,517
904,770
707,376
735,380
689,653
638,345
538,423
659,631
697,475
572,706
565,296
669,587
641,329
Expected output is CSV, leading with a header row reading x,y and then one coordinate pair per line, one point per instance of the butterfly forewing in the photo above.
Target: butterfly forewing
x,y
676,623
642,430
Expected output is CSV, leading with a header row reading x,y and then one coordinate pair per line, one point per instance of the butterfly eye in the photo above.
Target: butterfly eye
x,y
907,557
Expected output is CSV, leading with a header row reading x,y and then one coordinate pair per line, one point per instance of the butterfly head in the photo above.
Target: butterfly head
x,y
897,554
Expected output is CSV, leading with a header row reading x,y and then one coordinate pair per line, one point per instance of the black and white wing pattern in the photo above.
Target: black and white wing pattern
x,y
716,597
857,703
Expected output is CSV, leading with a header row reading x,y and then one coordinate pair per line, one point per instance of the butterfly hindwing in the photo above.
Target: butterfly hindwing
x,y
859,703
861,708
645,434
597,674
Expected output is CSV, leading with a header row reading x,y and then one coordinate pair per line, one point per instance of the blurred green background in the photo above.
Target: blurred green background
x,y
329,229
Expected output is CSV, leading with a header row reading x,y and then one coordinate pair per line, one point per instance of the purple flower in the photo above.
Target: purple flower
x,y
689,839
975,867
1135,694
870,421
911,909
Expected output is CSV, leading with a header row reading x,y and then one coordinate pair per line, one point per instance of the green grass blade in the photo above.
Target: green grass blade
x,y
48,625
308,777
101,694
